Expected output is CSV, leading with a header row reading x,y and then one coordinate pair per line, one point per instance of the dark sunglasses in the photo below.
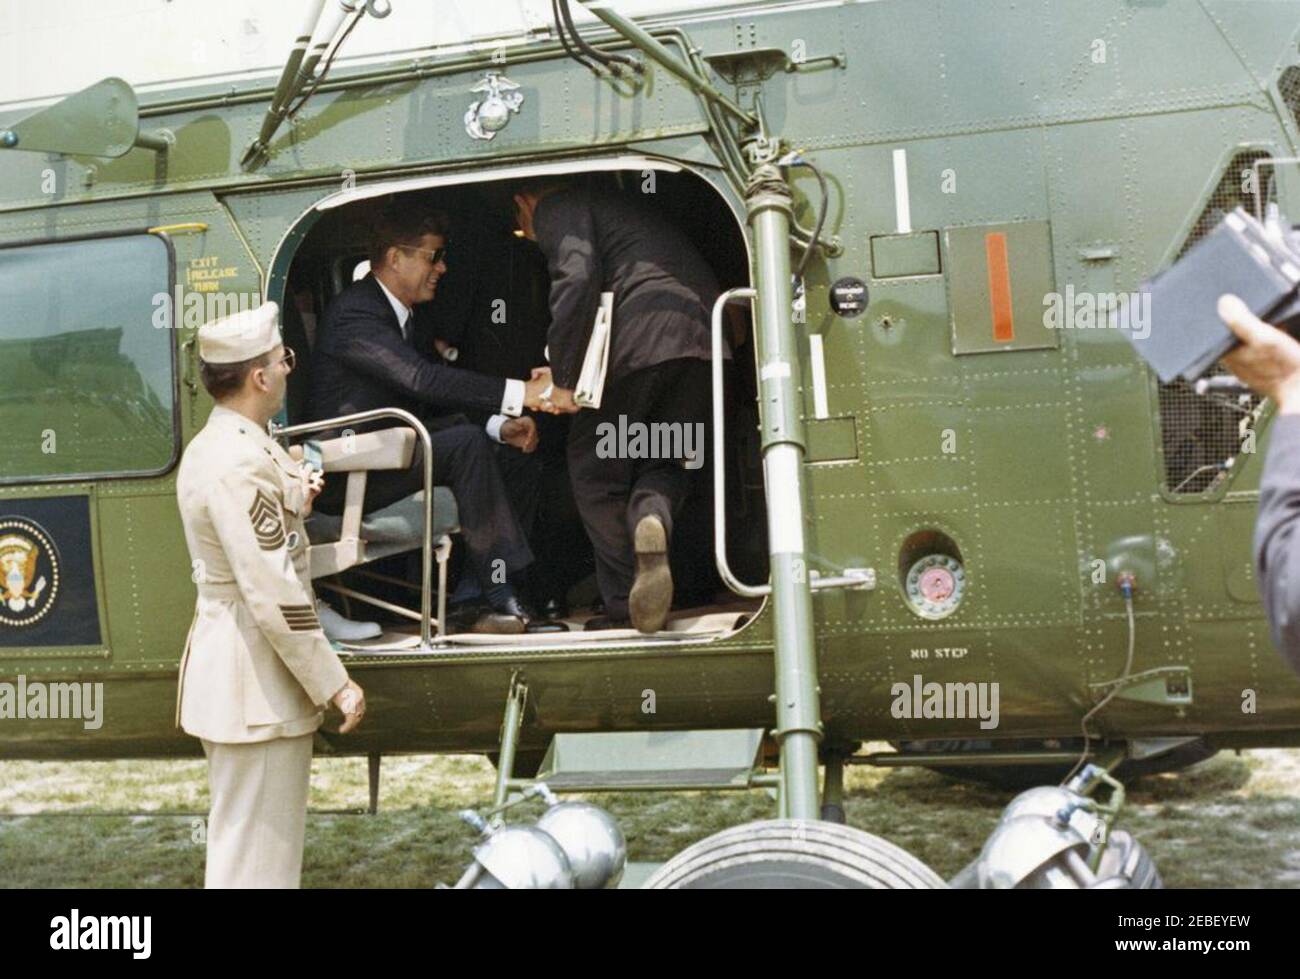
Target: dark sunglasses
x,y
438,254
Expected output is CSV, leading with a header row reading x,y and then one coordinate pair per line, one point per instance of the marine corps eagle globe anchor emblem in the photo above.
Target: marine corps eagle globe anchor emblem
x,y
26,594
489,115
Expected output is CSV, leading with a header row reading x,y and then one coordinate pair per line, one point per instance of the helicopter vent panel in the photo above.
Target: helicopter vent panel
x,y
1202,434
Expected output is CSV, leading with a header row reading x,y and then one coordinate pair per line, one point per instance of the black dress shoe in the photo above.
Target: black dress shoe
x,y
478,617
598,622
547,621
554,608
512,607
462,615
494,623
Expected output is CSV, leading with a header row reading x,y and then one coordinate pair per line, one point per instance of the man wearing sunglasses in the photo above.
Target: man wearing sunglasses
x,y
366,358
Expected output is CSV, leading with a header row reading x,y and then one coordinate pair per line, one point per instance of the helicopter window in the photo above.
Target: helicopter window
x,y
86,359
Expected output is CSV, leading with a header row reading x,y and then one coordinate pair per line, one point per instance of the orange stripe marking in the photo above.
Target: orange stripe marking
x,y
995,248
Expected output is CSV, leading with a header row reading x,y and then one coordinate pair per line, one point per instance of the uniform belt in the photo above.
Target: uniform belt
x,y
225,590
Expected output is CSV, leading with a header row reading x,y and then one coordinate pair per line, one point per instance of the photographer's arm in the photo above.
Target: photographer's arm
x,y
1269,361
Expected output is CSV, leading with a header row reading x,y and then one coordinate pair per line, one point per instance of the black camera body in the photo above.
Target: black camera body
x,y
1257,261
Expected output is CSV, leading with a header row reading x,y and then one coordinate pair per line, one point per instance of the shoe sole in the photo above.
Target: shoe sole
x,y
652,591
499,625
538,626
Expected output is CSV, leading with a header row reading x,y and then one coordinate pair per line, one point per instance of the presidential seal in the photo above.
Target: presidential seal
x,y
29,572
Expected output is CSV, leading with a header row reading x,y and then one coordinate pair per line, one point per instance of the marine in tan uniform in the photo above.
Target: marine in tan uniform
x,y
257,671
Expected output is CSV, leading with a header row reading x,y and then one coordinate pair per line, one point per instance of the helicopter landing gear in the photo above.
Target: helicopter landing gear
x,y
372,770
788,853
833,786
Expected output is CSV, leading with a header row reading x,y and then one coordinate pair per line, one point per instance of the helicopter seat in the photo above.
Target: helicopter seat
x,y
345,540
391,530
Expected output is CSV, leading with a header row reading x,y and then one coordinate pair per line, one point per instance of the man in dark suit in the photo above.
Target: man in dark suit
x,y
490,316
599,241
1268,360
364,358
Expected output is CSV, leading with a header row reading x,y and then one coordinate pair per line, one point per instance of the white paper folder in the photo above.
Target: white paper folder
x,y
591,380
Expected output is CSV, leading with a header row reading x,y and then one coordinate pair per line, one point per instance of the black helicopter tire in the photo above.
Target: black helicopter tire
x,y
789,853
1016,778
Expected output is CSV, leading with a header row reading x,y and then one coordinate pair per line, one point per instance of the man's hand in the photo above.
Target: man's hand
x,y
314,483
562,402
520,432
351,700
535,387
1268,359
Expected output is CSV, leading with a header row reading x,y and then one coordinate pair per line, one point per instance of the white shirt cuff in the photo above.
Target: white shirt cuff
x,y
493,427
512,403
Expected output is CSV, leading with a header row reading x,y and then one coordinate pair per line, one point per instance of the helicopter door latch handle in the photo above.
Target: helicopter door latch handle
x,y
187,374
855,579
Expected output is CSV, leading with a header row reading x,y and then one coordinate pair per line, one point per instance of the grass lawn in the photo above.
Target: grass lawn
x,y
1231,821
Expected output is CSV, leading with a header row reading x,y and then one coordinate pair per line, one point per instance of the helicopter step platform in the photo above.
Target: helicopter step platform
x,y
632,761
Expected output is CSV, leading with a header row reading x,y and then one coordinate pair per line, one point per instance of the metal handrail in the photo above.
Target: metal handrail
x,y
426,571
719,462
405,613
850,578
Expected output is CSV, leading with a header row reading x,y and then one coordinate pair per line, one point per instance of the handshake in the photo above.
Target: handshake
x,y
540,394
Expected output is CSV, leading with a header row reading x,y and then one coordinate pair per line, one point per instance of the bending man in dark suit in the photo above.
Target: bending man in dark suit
x,y
1268,360
658,374
364,359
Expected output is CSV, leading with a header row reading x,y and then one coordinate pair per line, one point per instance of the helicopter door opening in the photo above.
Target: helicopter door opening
x,y
490,314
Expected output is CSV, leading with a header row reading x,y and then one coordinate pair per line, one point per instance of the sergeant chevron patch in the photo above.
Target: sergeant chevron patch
x,y
300,618
268,527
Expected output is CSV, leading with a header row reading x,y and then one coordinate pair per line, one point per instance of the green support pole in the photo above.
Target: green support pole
x,y
509,739
798,711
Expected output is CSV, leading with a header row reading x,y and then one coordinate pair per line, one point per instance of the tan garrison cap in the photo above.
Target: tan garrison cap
x,y
243,336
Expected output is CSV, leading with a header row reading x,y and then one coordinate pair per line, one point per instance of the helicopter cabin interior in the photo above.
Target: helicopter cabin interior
x,y
490,314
